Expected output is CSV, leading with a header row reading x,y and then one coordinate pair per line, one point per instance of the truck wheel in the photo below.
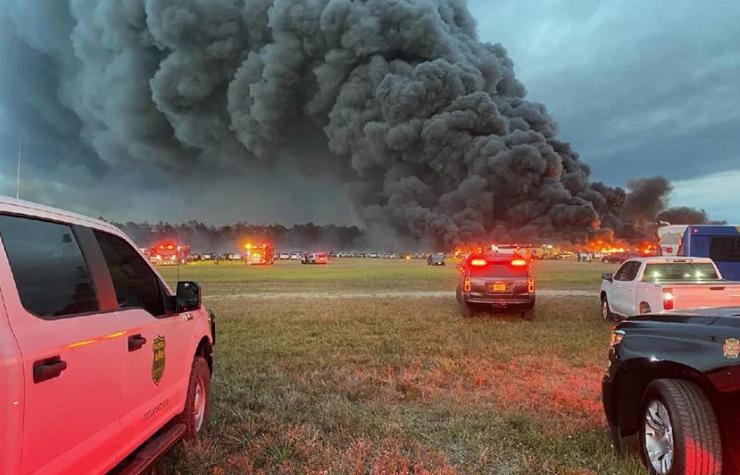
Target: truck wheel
x,y
198,402
644,308
679,433
529,314
606,313
466,309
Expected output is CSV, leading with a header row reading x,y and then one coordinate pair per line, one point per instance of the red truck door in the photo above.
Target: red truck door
x,y
160,351
73,354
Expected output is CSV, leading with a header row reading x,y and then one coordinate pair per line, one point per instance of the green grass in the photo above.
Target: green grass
x,y
397,385
365,274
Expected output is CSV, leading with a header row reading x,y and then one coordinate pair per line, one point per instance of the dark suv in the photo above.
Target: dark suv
x,y
496,281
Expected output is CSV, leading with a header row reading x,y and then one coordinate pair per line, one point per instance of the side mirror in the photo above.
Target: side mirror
x,y
608,276
187,296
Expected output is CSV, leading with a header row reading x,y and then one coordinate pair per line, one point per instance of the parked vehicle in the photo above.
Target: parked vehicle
x,y
497,282
99,356
719,243
284,256
296,256
436,259
614,257
315,258
651,284
673,384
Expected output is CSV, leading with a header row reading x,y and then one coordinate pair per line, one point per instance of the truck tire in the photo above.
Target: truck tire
x,y
606,312
677,415
465,308
198,402
529,314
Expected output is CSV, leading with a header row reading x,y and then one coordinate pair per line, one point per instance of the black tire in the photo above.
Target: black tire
x,y
529,314
697,446
606,313
200,373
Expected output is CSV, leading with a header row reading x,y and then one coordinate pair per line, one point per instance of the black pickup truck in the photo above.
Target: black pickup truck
x,y
673,387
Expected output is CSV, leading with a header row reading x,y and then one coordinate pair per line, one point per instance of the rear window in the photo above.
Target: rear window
x,y
725,249
499,270
48,267
679,272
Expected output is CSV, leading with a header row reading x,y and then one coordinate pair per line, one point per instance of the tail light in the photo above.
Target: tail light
x,y
478,262
518,262
530,285
466,284
668,300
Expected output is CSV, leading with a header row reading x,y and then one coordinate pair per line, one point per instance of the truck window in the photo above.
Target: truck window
x,y
679,272
724,249
503,269
135,283
50,272
628,271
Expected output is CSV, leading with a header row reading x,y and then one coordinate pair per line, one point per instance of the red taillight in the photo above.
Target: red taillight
x,y
478,262
518,262
466,285
530,285
668,300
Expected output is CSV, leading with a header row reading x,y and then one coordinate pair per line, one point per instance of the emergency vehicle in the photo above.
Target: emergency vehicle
x,y
721,243
496,281
259,253
169,253
103,366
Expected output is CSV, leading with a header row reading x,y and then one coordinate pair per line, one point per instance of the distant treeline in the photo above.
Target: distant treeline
x,y
203,238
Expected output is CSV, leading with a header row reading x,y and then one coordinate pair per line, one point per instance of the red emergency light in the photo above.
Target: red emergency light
x,y
518,262
478,262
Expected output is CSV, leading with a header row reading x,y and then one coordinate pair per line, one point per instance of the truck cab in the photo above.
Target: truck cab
x,y
99,356
653,284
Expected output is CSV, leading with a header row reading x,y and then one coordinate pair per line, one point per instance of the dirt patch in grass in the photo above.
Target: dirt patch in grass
x,y
543,386
273,448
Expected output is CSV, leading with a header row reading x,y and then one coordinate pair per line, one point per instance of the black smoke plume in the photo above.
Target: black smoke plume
x,y
428,127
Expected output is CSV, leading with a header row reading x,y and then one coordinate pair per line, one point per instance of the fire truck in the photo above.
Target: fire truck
x,y
169,253
259,253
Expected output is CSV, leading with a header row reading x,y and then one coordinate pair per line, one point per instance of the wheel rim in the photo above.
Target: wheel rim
x,y
604,310
199,405
659,438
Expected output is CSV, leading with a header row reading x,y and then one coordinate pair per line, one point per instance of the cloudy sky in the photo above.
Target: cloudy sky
x,y
639,88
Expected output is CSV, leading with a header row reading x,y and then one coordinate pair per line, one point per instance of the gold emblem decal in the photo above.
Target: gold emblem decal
x,y
732,348
158,348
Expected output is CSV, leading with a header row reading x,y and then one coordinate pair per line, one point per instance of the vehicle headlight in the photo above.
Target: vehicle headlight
x,y
617,337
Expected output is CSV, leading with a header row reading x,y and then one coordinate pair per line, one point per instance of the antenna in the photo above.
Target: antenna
x,y
177,248
18,173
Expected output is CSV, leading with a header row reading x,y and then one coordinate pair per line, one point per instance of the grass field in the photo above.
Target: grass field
x,y
379,385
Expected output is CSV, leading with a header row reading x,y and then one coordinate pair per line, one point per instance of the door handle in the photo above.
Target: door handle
x,y
48,368
135,342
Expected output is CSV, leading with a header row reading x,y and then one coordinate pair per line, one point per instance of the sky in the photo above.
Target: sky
x,y
638,88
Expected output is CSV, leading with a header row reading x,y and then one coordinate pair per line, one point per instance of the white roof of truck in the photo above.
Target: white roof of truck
x,y
672,260
28,208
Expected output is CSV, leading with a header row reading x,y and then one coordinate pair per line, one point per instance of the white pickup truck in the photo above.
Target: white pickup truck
x,y
656,284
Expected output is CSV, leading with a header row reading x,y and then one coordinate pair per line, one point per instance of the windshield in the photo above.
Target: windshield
x,y
499,270
679,272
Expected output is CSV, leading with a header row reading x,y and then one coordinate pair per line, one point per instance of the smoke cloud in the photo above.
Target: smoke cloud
x,y
424,127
